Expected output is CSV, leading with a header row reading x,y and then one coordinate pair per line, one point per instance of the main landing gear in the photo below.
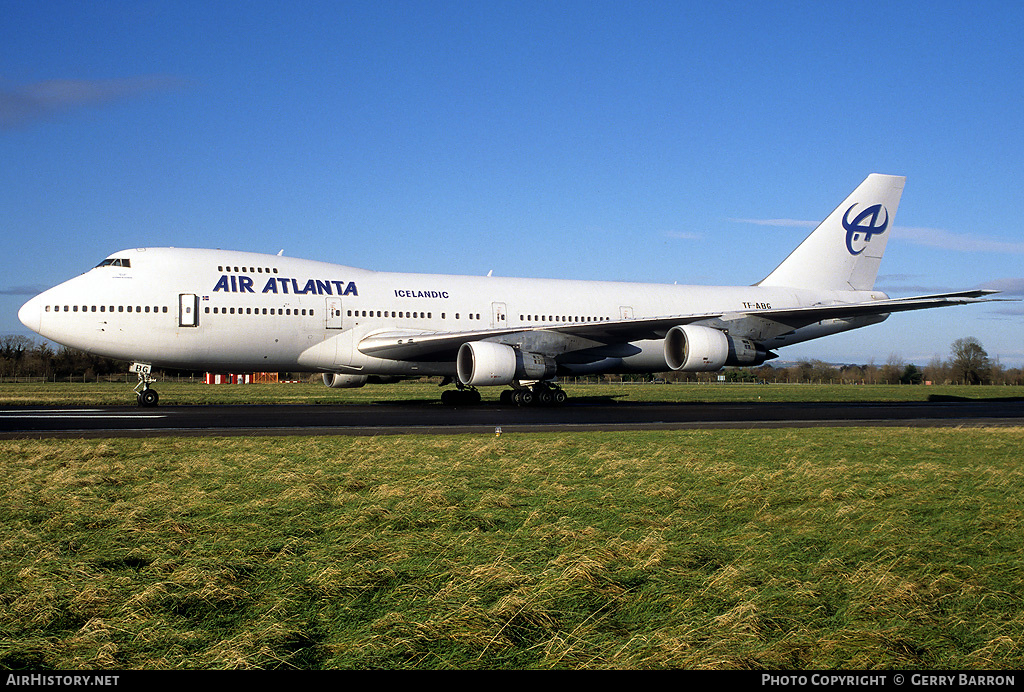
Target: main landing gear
x,y
464,396
146,396
540,394
537,394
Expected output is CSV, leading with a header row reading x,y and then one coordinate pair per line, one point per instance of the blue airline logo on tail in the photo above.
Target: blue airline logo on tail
x,y
865,225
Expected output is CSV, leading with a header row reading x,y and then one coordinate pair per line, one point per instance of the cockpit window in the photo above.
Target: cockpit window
x,y
115,262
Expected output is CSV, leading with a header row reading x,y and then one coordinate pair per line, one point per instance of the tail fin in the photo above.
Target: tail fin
x,y
843,253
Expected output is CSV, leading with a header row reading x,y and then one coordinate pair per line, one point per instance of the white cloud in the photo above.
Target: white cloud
x,y
779,222
24,104
682,235
919,235
23,290
964,242
1013,286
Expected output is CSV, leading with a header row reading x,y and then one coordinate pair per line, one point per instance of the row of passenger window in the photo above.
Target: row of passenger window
x,y
297,311
163,309
251,270
106,308
258,311
475,316
561,318
401,314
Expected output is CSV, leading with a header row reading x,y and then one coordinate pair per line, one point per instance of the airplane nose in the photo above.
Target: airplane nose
x,y
30,314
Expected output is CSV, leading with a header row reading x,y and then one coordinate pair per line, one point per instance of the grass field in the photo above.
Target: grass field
x,y
173,393
804,548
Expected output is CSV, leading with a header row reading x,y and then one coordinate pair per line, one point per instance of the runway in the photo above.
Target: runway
x,y
422,417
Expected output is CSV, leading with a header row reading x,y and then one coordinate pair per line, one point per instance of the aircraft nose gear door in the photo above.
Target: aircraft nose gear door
x,y
188,310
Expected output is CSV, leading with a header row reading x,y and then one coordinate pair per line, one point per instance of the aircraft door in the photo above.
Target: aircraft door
x,y
333,313
188,310
499,315
625,312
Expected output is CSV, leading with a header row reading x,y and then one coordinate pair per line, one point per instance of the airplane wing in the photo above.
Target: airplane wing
x,y
567,337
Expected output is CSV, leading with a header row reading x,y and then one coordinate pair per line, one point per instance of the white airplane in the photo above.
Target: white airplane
x,y
219,310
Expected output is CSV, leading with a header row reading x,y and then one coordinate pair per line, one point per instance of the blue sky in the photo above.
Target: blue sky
x,y
637,141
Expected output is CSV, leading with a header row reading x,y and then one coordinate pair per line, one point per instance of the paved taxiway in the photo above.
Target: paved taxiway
x,y
434,418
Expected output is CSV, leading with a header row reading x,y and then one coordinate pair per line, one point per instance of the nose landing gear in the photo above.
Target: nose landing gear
x,y
146,396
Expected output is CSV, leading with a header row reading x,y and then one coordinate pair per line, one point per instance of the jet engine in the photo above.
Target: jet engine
x,y
482,363
692,348
339,381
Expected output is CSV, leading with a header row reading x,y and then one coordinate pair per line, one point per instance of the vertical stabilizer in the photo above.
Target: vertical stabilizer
x,y
843,253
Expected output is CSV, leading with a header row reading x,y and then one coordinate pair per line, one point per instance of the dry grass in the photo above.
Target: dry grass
x,y
851,548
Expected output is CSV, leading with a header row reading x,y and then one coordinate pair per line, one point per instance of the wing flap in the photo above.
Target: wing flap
x,y
423,346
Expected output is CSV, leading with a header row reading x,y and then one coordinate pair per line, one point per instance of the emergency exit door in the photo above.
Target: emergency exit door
x,y
334,313
499,316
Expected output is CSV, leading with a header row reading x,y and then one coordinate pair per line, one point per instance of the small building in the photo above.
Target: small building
x,y
242,378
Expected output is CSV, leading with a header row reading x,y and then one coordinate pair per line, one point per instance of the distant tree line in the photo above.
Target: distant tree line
x,y
968,363
22,357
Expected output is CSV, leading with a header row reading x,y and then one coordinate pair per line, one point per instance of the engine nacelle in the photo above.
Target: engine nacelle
x,y
485,363
692,348
340,381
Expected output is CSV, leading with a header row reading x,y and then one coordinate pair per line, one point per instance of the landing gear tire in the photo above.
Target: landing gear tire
x,y
144,394
460,397
522,397
148,398
541,394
